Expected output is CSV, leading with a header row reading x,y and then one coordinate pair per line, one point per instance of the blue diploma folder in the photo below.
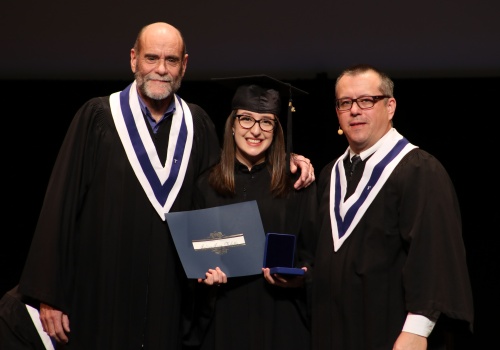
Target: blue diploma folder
x,y
230,237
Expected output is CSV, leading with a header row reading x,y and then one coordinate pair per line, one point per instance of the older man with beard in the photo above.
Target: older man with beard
x,y
102,263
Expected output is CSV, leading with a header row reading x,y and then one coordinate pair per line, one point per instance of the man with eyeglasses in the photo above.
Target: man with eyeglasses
x,y
390,267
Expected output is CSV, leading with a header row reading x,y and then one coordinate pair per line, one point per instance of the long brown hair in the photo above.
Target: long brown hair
x,y
221,177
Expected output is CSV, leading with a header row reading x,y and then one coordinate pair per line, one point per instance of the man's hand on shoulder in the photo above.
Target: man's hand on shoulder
x,y
307,176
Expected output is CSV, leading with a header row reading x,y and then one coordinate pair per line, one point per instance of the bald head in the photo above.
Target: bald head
x,y
159,29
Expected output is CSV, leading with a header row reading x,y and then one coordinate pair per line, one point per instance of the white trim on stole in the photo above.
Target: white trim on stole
x,y
368,187
182,112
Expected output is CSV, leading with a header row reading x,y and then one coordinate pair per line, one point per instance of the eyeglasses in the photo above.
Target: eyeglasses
x,y
247,122
364,102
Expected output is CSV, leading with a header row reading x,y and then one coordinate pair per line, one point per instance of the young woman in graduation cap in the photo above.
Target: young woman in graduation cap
x,y
264,311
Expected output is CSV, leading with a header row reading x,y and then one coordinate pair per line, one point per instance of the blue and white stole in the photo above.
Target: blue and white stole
x,y
344,216
161,183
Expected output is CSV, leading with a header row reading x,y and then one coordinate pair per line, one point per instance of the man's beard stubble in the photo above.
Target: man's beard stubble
x,y
143,82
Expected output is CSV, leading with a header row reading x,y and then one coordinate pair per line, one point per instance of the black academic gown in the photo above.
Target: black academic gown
x,y
249,312
405,254
100,251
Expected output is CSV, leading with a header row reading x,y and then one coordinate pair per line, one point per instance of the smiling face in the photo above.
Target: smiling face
x,y
252,143
364,127
158,62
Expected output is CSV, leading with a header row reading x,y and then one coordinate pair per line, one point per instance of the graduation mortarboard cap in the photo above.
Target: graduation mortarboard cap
x,y
259,93
263,94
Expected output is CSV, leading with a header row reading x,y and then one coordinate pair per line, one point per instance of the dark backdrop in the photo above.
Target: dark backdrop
x,y
452,118
60,39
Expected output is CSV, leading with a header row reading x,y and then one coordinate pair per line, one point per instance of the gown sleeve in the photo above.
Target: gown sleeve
x,y
435,275
48,271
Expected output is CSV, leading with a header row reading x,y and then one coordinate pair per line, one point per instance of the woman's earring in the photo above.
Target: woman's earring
x,y
340,131
233,133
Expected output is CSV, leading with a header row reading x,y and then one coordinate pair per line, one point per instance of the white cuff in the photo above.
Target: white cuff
x,y
418,324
